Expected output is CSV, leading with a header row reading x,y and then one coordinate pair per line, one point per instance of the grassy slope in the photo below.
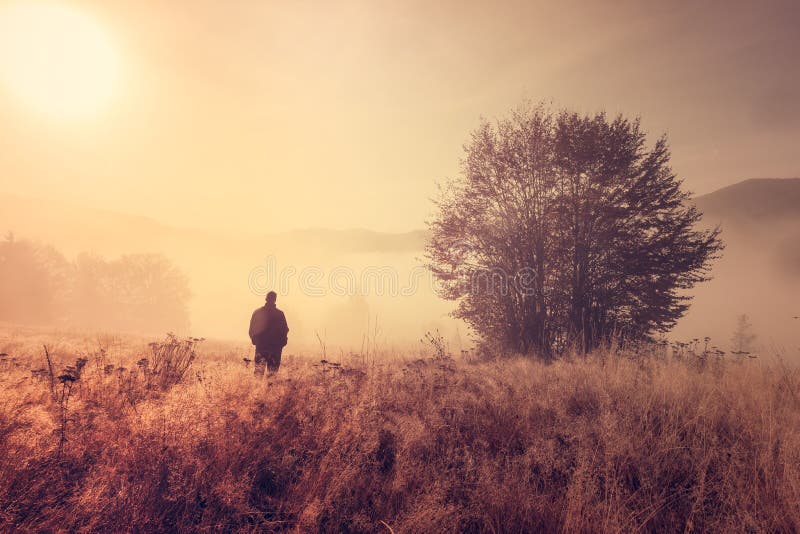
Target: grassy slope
x,y
616,442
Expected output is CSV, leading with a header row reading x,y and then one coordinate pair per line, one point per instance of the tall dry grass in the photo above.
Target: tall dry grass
x,y
614,442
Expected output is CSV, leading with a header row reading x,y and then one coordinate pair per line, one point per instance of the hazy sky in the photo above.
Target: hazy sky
x,y
269,116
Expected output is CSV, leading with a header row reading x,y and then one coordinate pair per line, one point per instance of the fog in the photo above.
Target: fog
x,y
343,289
360,290
759,275
342,301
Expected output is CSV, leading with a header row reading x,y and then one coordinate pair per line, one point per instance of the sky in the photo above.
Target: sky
x,y
270,116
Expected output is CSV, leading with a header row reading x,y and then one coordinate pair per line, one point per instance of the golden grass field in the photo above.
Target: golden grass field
x,y
620,441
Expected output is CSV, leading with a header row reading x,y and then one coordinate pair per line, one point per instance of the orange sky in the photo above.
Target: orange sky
x,y
279,115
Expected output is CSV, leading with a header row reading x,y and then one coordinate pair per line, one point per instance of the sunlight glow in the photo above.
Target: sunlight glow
x,y
56,59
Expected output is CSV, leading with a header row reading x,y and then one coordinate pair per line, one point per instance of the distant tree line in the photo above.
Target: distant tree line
x,y
566,230
135,292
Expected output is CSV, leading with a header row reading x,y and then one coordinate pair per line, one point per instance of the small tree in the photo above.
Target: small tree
x,y
743,337
567,229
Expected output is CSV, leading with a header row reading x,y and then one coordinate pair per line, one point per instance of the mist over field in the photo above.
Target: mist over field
x,y
759,274
376,277
381,289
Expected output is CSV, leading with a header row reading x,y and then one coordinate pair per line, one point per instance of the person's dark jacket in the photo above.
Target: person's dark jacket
x,y
268,328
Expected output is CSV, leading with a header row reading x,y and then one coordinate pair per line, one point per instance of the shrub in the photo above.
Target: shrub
x,y
170,361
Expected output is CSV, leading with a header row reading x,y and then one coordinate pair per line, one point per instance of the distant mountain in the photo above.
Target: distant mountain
x,y
759,271
756,200
759,217
756,206
73,228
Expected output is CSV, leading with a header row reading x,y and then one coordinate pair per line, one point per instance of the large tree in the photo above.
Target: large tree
x,y
567,229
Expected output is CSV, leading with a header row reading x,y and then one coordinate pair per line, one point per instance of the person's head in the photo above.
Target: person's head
x,y
272,297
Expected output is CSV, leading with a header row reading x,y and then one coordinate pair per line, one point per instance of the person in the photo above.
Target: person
x,y
268,332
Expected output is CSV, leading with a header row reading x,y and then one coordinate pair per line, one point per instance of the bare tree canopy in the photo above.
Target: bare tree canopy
x,y
567,229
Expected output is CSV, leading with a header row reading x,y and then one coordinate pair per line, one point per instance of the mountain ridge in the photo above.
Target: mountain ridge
x,y
756,199
78,228
752,202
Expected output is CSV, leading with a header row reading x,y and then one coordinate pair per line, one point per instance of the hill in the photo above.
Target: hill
x,y
759,272
751,204
75,228
760,200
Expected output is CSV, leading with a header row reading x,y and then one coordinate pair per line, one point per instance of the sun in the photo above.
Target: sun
x,y
56,59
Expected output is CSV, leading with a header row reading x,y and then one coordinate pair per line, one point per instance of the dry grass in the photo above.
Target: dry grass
x,y
616,442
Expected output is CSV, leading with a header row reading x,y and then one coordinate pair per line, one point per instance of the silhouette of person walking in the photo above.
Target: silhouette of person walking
x,y
268,331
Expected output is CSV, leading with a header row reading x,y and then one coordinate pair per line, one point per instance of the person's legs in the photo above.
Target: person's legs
x,y
260,362
273,360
